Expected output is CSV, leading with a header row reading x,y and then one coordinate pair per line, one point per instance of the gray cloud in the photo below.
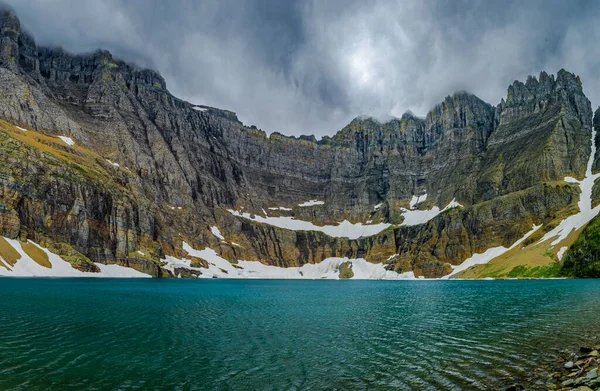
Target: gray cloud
x,y
309,67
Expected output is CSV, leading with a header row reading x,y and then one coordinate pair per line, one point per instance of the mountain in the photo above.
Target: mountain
x,y
101,165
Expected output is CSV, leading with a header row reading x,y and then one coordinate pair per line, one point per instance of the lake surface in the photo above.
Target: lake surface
x,y
82,334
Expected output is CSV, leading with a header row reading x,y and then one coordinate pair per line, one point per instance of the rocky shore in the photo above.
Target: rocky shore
x,y
572,368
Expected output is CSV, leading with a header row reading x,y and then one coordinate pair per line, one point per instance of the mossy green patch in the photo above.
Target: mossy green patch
x,y
346,270
522,271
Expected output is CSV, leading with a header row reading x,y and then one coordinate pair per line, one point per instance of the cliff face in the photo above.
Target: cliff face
x,y
149,170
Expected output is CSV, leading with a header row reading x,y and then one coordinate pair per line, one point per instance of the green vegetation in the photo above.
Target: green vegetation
x,y
583,258
346,270
523,271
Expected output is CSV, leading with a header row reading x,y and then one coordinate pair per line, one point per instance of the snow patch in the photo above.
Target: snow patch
x,y
561,252
376,207
141,253
343,230
281,208
488,255
417,200
112,163
67,140
215,231
311,203
27,267
202,109
20,128
586,212
116,271
327,269
416,217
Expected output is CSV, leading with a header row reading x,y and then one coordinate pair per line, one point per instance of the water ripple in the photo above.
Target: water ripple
x,y
292,335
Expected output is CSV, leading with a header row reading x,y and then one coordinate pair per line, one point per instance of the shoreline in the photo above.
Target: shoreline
x,y
573,366
300,279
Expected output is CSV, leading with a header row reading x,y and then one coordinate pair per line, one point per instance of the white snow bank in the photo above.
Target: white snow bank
x,y
328,268
561,252
27,267
116,271
280,208
67,140
488,255
312,203
586,212
112,163
376,207
20,128
215,231
344,230
416,217
417,200
202,109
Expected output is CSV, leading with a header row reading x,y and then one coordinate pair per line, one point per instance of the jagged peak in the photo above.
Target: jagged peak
x,y
545,85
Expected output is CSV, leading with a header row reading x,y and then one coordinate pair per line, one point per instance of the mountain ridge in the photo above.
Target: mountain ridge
x,y
180,167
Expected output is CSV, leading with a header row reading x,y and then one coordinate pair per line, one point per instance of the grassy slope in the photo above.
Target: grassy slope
x,y
8,253
533,260
37,254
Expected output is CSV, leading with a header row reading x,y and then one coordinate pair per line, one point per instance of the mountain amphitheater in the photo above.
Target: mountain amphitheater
x,y
104,173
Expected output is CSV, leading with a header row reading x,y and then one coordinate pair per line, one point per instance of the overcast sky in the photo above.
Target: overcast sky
x,y
309,67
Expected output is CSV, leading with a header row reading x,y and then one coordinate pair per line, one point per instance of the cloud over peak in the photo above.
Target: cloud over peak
x,y
309,67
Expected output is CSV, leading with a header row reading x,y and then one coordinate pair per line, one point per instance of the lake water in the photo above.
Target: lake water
x,y
99,334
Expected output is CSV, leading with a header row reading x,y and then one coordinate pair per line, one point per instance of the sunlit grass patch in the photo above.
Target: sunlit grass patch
x,y
8,252
37,254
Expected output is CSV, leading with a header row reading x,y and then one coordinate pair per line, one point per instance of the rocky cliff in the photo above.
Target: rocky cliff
x,y
147,171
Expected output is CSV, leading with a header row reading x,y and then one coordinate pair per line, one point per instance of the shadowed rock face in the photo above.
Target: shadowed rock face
x,y
181,167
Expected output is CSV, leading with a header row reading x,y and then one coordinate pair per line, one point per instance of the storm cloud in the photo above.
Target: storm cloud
x,y
309,67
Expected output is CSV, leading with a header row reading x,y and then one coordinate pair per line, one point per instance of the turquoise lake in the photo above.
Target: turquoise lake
x,y
95,334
